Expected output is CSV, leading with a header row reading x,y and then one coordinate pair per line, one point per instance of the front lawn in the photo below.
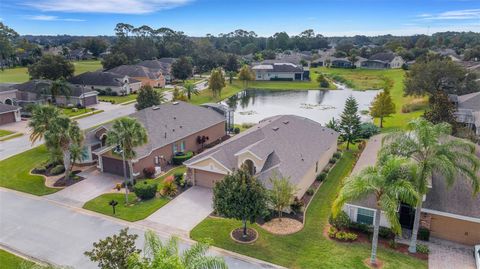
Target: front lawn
x,y
5,133
75,112
135,210
15,172
307,248
12,261
118,99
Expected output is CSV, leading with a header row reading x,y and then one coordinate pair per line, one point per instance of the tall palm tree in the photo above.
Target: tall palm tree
x,y
430,147
189,88
59,87
159,255
126,134
389,182
41,119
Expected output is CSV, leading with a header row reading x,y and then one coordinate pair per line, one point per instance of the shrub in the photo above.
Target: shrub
x,y
386,233
149,172
39,170
332,160
57,170
345,236
326,169
423,234
297,205
247,125
337,155
332,231
179,180
364,228
310,191
169,188
393,244
236,130
145,190
74,109
180,157
414,105
324,84
423,249
341,222
322,176
368,129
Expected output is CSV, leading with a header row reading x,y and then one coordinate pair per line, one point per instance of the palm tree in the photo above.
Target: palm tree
x,y
167,255
59,87
430,147
126,134
41,119
189,88
389,183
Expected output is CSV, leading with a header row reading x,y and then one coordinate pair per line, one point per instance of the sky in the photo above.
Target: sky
x,y
265,17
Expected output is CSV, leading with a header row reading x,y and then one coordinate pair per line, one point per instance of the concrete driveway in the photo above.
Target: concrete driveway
x,y
184,212
94,184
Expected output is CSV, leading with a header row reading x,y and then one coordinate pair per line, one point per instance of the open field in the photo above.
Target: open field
x,y
308,248
20,74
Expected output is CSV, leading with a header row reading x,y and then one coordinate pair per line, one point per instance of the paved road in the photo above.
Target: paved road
x,y
58,234
17,145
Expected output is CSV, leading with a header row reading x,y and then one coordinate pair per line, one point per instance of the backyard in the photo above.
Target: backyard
x,y
20,74
15,172
135,210
308,248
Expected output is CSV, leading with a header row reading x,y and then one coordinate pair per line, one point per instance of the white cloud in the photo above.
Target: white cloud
x,y
465,14
51,18
107,6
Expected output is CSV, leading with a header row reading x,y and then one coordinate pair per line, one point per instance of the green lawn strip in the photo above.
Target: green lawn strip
x,y
135,210
12,261
20,74
84,115
79,111
5,138
119,99
5,133
15,172
307,248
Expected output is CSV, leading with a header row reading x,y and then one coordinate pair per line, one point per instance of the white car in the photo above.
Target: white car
x,y
477,255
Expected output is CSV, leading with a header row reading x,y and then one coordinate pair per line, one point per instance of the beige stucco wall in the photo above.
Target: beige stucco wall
x,y
397,62
241,158
210,165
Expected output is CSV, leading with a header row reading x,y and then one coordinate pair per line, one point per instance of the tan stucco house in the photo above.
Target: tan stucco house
x,y
289,146
120,84
152,77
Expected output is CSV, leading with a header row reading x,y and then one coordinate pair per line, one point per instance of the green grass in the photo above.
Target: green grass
x,y
135,210
15,172
20,74
118,99
307,248
12,261
5,133
5,138
69,112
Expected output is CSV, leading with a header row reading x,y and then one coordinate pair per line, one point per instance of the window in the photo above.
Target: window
x,y
174,148
365,216
182,146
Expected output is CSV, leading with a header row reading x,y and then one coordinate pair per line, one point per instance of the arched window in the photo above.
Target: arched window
x,y
103,138
8,102
249,166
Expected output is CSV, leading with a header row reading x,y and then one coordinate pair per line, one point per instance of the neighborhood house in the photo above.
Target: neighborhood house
x,y
141,73
9,114
280,71
383,60
468,110
286,146
120,84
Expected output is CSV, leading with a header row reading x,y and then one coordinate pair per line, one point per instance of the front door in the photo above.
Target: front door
x,y
407,216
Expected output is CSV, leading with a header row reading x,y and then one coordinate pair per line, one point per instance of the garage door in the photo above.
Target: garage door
x,y
91,100
461,231
7,118
207,179
113,166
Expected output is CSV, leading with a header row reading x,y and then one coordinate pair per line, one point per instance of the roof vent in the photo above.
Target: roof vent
x,y
174,118
275,128
165,134
286,122
180,126
173,130
155,107
175,103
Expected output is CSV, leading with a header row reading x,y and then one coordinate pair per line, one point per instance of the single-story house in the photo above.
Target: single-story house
x,y
280,71
340,63
37,91
468,110
8,95
9,114
145,75
450,213
286,145
80,54
171,127
120,84
383,60
163,65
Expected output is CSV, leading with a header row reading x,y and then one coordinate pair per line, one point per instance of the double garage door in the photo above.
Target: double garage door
x,y
7,117
461,231
207,179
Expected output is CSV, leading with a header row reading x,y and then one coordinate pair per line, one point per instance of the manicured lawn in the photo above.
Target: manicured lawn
x,y
20,74
205,96
307,248
134,211
11,261
118,99
5,133
5,138
15,172
69,112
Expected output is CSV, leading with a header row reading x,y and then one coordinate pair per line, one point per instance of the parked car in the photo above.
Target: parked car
x,y
477,255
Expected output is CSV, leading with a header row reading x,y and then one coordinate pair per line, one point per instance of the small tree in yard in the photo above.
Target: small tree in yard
x,y
216,82
282,193
190,88
114,251
148,97
240,196
350,122
382,106
246,75
182,68
51,67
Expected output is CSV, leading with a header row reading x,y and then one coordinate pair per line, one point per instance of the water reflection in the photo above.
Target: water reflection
x,y
251,106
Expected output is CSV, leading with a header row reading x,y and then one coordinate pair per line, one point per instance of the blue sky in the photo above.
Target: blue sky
x,y
265,17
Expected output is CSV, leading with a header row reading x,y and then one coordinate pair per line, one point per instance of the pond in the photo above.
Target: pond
x,y
251,106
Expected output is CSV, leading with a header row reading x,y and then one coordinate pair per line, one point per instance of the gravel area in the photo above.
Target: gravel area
x,y
285,226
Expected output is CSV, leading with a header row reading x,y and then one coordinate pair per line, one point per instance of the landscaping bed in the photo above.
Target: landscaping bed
x,y
61,182
237,235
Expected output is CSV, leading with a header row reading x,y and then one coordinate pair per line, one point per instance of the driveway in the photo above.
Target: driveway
x,y
94,184
184,212
445,255
58,234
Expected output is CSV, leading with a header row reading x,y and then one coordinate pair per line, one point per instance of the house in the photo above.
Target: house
x,y
37,91
449,212
172,128
145,75
468,110
340,63
9,114
8,95
80,54
163,65
287,146
120,84
280,71
383,60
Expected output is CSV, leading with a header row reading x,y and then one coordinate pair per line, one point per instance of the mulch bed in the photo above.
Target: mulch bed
x,y
61,182
283,227
251,237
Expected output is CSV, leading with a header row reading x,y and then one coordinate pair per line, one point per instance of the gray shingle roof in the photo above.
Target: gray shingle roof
x,y
133,71
7,108
98,78
289,144
469,101
279,67
383,56
42,86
